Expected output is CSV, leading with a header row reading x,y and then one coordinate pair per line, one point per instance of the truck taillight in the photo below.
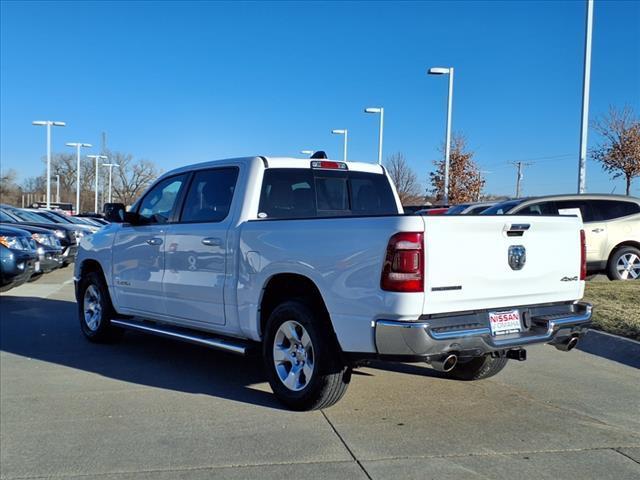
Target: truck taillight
x,y
583,256
403,267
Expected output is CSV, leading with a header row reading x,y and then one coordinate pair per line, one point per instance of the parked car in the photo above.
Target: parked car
x,y
67,234
469,208
47,245
612,227
432,211
59,218
313,262
18,257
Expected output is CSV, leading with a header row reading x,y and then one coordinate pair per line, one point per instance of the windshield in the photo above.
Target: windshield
x,y
31,217
6,217
53,216
455,210
502,208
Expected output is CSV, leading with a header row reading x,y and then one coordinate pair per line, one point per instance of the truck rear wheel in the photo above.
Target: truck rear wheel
x,y
95,310
478,368
303,362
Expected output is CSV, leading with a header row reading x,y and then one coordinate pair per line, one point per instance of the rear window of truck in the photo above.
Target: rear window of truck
x,y
305,193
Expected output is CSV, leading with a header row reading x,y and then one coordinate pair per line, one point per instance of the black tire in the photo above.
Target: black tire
x,y
612,270
478,368
103,331
330,377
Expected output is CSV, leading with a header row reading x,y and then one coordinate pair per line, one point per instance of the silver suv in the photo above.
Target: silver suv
x,y
612,227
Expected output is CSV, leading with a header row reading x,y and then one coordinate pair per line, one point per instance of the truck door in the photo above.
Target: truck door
x,y
138,250
197,249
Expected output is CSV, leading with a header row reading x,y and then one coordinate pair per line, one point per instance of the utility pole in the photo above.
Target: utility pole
x,y
520,176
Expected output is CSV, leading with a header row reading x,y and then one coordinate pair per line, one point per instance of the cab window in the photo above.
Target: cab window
x,y
159,204
210,195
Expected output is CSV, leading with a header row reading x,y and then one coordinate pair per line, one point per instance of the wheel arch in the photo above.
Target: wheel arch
x,y
626,243
288,286
90,265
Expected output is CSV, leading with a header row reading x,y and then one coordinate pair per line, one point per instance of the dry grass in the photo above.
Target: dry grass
x,y
616,306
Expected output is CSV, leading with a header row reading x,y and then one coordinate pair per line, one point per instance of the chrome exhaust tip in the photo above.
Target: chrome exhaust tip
x,y
446,363
567,345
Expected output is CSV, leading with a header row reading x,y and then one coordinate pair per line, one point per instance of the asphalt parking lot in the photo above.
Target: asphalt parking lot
x,y
151,408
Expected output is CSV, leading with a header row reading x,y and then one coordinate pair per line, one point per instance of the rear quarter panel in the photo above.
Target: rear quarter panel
x,y
342,256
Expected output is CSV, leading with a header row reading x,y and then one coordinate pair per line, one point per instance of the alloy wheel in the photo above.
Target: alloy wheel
x,y
92,308
628,266
293,355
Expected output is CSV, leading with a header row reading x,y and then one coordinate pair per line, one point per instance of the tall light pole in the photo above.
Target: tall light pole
x,y
49,124
78,146
379,110
586,82
58,188
447,145
110,165
345,132
97,158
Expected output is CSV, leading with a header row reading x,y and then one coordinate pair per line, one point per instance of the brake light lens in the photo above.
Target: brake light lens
x,y
403,267
329,165
583,256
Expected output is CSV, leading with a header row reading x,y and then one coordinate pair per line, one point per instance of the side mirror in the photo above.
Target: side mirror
x,y
114,212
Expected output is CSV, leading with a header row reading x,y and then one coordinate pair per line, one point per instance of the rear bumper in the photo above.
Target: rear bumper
x,y
470,334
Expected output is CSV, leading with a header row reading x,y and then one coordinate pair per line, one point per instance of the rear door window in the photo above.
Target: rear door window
x,y
303,193
612,209
210,195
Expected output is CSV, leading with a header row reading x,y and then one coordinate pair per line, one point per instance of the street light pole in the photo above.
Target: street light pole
x,y
97,157
78,146
447,145
379,110
110,165
584,126
344,132
58,188
48,124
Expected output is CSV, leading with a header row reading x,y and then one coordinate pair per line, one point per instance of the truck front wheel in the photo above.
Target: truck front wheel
x,y
95,310
303,363
478,368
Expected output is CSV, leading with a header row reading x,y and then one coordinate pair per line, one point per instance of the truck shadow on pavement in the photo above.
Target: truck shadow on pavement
x,y
48,330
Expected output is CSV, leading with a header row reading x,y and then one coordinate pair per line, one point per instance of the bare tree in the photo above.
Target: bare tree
x,y
619,152
9,191
404,178
465,179
132,177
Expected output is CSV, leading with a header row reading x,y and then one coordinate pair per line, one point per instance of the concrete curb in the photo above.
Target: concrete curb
x,y
613,347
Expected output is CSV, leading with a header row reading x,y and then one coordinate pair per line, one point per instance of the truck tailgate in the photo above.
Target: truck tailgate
x,y
467,263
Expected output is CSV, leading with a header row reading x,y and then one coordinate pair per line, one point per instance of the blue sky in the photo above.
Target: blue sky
x,y
183,82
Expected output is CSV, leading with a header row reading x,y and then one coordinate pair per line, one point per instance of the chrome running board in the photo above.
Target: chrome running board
x,y
184,335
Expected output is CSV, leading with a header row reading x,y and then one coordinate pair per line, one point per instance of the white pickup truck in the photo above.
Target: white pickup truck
x,y
313,263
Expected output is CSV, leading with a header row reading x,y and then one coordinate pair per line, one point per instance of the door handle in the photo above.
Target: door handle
x,y
597,230
155,241
212,242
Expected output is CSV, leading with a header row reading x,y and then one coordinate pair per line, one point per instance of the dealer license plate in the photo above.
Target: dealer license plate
x,y
504,322
37,267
